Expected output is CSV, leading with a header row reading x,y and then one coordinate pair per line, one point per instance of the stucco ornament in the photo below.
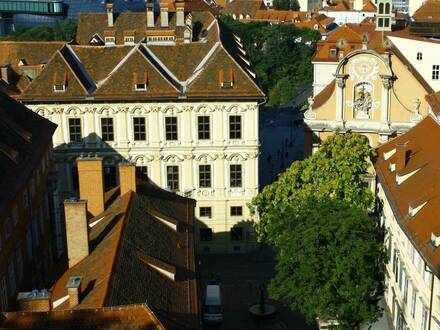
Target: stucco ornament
x,y
364,68
363,102
416,116
310,114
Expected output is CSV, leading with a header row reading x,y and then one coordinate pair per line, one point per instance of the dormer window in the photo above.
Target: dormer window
x,y
434,242
226,78
333,52
129,40
96,41
140,81
59,88
109,40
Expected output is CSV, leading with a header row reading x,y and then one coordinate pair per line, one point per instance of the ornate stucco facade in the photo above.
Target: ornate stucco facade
x,y
155,153
372,94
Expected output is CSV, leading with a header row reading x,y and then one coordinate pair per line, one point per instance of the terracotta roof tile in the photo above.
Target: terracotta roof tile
x,y
428,11
324,95
243,7
423,155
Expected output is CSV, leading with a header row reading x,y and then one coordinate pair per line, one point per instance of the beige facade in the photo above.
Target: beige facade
x,y
155,154
373,94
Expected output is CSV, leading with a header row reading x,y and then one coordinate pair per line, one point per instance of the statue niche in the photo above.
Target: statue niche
x,y
363,101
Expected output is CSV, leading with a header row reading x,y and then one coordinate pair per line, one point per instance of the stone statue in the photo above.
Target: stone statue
x,y
362,103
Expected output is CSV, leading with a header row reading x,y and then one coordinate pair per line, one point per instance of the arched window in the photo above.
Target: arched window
x,y
419,56
387,8
381,8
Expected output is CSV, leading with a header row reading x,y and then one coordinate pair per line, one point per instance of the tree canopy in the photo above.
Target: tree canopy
x,y
281,55
286,4
330,249
60,31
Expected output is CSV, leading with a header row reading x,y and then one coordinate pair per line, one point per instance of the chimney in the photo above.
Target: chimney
x,y
4,74
401,156
91,183
34,301
76,230
180,13
164,14
127,178
73,287
109,7
150,14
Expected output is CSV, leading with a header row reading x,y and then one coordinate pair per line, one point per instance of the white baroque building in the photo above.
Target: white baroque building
x,y
185,112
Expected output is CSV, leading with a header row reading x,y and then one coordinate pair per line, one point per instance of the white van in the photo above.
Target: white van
x,y
212,308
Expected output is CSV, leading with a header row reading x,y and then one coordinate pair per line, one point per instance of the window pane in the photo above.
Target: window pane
x,y
107,129
173,178
139,131
206,211
236,211
235,127
75,129
203,127
235,175
171,128
205,176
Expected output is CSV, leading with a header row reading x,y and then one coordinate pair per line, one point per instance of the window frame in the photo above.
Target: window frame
x,y
435,72
139,134
171,135
205,177
235,181
173,179
74,132
234,131
107,132
207,212
201,133
236,211
419,56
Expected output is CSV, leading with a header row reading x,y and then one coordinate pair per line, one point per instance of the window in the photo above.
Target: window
x,y
235,127
413,303
332,52
205,176
236,211
205,234
75,130
109,40
435,72
141,171
109,177
58,88
386,22
419,56
205,211
140,87
203,126
129,40
236,234
235,175
380,23
405,290
173,177
11,273
171,128
387,8
381,8
139,131
107,129
424,318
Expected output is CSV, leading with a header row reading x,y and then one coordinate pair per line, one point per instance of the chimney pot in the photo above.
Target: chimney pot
x,y
180,13
73,287
91,183
150,14
127,178
109,7
76,230
401,156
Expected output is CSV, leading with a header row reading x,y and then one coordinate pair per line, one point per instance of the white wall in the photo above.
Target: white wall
x,y
156,153
343,17
323,74
430,56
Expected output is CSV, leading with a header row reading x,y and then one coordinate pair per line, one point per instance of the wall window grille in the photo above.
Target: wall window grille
x,y
236,211
235,127
235,175
205,176
107,129
173,177
203,126
205,234
205,211
171,128
75,135
139,130
435,72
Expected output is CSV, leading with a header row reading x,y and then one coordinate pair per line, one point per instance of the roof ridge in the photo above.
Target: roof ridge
x,y
71,70
198,70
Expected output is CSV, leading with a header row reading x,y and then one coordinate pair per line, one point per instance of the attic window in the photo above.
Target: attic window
x,y
226,78
140,81
110,40
434,242
412,209
59,88
129,40
333,52
96,40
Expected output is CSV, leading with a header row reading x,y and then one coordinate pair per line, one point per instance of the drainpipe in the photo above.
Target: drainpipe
x,y
430,301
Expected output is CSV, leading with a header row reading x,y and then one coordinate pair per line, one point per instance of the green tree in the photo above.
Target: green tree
x,y
281,56
330,262
61,31
330,250
286,4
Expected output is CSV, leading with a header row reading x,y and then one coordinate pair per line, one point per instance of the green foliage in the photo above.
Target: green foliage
x,y
330,262
286,4
330,251
282,63
61,31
